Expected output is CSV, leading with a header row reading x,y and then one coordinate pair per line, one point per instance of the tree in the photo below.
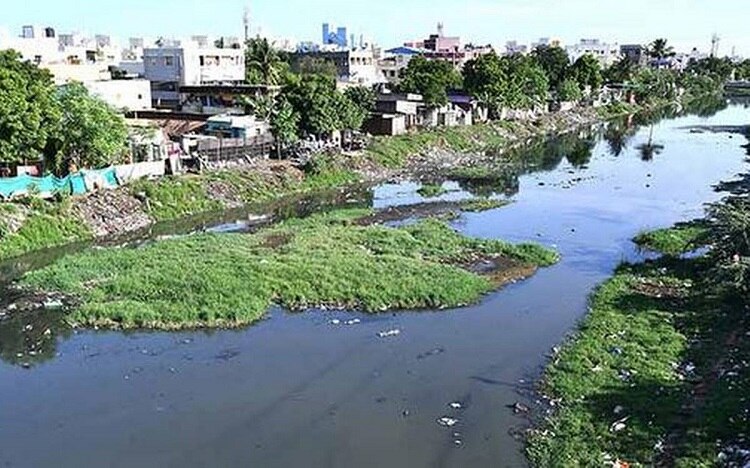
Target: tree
x,y
29,113
660,50
621,71
587,72
321,107
485,80
263,63
527,84
431,79
554,61
568,90
315,66
362,97
284,124
92,134
650,85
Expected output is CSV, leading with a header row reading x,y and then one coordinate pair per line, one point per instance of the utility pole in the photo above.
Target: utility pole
x,y
246,23
715,45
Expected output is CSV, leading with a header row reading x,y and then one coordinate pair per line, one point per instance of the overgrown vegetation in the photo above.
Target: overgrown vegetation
x,y
36,225
673,241
658,372
230,280
431,190
393,152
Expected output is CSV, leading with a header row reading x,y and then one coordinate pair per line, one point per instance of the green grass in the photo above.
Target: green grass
x,y
476,205
624,331
431,190
393,152
44,225
172,198
175,197
672,241
230,280
628,360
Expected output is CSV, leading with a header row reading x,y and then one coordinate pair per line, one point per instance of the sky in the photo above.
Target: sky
x,y
686,23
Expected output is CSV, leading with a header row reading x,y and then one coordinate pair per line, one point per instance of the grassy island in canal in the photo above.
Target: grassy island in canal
x,y
230,280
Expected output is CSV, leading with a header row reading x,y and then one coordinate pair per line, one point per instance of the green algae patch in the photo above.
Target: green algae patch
x,y
230,280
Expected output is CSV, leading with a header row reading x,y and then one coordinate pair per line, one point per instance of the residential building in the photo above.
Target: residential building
x,y
36,44
441,47
513,48
236,126
606,53
546,42
172,65
353,66
126,95
394,61
635,53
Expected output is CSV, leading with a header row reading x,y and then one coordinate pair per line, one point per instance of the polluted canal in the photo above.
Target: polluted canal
x,y
339,389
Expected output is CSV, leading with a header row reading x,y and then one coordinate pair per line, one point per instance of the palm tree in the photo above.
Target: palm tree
x,y
660,50
263,62
650,149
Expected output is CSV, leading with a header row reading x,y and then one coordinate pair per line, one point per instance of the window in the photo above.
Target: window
x,y
140,96
152,60
169,61
38,59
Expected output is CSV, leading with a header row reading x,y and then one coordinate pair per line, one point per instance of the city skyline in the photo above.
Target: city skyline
x,y
686,23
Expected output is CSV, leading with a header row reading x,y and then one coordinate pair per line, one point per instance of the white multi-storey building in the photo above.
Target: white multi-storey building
x,y
195,63
605,53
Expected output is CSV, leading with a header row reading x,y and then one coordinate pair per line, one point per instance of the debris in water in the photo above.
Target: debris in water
x,y
433,352
445,421
619,425
389,333
335,322
520,408
456,405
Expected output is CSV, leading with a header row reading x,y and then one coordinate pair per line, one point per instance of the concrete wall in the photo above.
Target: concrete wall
x,y
123,94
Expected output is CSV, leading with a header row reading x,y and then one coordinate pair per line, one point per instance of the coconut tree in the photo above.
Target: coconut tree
x,y
659,49
263,62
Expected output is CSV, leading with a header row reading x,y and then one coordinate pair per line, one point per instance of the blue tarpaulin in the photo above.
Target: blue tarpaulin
x,y
74,184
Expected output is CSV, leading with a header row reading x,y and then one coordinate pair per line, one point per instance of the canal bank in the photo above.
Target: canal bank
x,y
304,389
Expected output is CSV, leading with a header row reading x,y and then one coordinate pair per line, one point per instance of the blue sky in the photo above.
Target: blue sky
x,y
687,23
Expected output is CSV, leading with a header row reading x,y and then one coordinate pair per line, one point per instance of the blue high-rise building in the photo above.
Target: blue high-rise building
x,y
338,38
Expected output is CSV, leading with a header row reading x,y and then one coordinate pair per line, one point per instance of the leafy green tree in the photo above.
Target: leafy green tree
x,y
29,112
568,90
659,49
527,84
555,63
621,71
587,72
263,63
351,115
742,70
321,107
652,85
91,135
430,78
716,68
485,80
362,97
284,124
315,66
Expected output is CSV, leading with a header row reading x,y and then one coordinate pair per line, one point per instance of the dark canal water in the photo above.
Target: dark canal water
x,y
297,390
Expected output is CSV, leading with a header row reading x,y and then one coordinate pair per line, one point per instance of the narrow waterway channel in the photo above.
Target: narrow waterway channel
x,y
299,390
